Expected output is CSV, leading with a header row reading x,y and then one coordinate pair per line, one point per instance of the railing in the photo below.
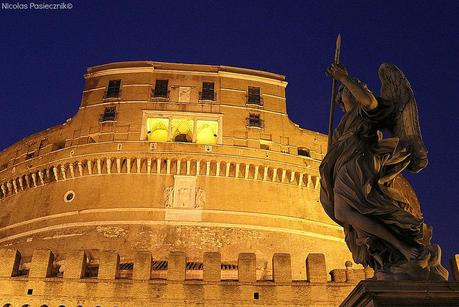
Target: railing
x,y
255,122
107,117
112,94
117,164
160,96
207,96
254,100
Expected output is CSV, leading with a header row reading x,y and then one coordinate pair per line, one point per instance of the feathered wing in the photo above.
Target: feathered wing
x,y
396,88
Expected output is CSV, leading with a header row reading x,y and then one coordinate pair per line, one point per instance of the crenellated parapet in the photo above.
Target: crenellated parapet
x,y
52,281
143,266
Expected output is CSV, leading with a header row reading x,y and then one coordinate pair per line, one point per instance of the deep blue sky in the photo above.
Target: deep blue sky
x,y
43,55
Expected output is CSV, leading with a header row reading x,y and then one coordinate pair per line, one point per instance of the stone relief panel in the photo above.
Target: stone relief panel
x,y
184,94
168,197
200,198
184,194
184,191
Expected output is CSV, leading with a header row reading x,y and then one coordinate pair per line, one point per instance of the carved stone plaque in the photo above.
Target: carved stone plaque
x,y
184,94
181,198
184,191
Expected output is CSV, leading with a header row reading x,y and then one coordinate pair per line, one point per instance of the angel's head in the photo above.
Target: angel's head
x,y
344,97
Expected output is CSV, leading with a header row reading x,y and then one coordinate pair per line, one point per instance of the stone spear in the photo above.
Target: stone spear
x,y
333,95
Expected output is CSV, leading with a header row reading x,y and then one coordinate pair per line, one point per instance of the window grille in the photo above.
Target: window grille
x,y
161,89
254,96
113,89
254,120
208,92
108,115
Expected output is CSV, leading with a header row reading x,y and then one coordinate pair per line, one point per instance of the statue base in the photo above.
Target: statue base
x,y
373,293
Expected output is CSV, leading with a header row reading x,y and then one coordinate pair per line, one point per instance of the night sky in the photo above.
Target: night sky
x,y
44,54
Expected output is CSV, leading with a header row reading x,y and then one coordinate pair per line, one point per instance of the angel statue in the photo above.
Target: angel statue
x,y
362,188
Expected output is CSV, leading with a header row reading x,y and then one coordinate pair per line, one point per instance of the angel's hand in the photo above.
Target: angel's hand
x,y
337,72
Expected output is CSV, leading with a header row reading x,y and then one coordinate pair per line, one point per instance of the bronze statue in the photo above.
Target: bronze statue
x,y
359,174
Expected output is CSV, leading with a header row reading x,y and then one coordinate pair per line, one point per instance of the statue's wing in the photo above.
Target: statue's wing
x,y
396,88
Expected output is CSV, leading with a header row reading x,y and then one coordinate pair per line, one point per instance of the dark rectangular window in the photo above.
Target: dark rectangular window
x,y
253,95
304,152
58,146
113,89
264,146
208,92
30,155
254,120
161,89
91,270
108,115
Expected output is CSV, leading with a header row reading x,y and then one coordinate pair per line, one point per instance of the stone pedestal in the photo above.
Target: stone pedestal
x,y
372,293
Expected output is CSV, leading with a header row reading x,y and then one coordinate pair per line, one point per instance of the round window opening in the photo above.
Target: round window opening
x,y
69,196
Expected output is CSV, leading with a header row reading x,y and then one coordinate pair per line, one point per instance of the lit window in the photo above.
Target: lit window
x,y
182,130
206,131
157,129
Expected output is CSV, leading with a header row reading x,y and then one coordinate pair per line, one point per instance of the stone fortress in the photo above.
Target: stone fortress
x,y
172,184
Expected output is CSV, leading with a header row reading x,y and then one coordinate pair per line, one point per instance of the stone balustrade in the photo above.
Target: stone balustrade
x,y
156,165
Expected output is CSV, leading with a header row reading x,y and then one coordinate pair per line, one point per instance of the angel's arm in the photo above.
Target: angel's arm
x,y
362,95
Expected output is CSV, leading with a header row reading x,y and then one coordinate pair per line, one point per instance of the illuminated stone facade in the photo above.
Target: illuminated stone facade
x,y
164,157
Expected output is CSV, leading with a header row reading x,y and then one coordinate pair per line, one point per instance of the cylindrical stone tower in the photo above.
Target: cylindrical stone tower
x,y
167,157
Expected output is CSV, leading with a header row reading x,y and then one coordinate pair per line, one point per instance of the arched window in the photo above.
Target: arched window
x,y
44,305
183,137
182,130
7,305
158,129
206,131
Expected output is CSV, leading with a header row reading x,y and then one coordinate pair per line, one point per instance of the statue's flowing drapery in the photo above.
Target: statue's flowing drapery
x,y
359,169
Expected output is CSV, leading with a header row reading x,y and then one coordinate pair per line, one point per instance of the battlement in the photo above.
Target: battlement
x,y
107,266
44,280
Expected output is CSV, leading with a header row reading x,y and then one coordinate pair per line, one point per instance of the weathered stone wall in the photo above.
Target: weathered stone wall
x,y
183,282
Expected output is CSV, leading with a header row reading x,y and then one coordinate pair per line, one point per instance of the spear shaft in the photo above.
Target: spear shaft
x,y
333,94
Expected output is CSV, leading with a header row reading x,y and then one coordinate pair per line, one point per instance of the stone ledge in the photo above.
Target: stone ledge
x,y
403,293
